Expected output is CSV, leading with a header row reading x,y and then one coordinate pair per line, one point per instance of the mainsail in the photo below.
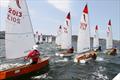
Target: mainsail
x,y
109,42
83,41
50,39
96,38
59,36
67,33
19,37
41,38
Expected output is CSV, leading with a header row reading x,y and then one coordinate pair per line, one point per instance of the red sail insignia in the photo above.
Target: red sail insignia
x,y
18,3
109,23
68,16
85,9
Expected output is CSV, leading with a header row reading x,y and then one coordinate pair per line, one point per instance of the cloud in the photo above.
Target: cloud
x,y
4,3
63,5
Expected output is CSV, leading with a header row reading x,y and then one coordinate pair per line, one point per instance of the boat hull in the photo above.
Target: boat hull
x,y
26,71
112,51
86,56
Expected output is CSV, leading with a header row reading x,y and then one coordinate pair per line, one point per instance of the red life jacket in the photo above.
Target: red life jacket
x,y
33,55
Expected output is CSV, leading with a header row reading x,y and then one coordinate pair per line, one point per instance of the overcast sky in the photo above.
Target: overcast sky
x,y
47,15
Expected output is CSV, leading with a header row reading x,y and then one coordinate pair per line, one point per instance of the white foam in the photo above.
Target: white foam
x,y
61,55
102,68
100,59
100,76
75,60
40,76
9,65
82,61
57,54
63,60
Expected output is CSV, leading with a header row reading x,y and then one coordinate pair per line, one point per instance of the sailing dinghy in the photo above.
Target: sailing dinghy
x,y
83,42
19,39
66,43
109,43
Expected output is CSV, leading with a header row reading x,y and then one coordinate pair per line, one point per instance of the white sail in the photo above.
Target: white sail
x,y
67,33
50,39
19,36
109,42
96,38
59,36
36,37
83,41
41,38
46,39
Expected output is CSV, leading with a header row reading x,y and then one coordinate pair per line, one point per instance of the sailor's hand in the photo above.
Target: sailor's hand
x,y
25,58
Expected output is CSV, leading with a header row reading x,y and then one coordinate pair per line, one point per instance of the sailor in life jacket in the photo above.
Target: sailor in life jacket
x,y
33,55
71,50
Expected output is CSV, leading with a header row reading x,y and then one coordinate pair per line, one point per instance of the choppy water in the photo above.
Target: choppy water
x,y
104,68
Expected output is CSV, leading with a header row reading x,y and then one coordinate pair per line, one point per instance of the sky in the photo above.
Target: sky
x,y
47,15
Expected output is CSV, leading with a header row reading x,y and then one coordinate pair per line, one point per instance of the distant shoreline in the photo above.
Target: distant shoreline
x,y
74,37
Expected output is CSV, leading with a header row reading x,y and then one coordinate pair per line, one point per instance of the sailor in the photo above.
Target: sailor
x,y
113,51
71,50
94,56
99,49
33,55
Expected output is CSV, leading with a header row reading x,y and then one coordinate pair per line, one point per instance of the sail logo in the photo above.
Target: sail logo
x,y
83,26
18,3
65,30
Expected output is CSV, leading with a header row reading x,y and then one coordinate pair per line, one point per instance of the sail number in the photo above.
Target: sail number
x,y
13,14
